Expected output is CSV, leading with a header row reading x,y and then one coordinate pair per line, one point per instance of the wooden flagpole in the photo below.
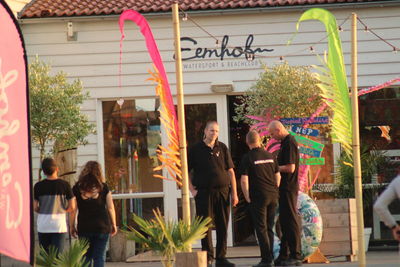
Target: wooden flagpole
x,y
356,143
181,116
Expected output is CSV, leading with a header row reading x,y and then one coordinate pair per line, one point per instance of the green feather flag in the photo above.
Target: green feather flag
x,y
332,77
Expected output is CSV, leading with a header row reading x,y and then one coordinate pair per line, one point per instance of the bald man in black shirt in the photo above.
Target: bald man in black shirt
x,y
288,160
260,180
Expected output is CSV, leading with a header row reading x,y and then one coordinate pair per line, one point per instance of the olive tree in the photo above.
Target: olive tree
x,y
57,122
282,91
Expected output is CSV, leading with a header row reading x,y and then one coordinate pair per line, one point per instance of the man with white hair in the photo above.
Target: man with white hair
x,y
290,223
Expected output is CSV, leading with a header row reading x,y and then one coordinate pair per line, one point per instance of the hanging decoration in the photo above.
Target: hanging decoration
x,y
377,87
168,156
332,77
16,214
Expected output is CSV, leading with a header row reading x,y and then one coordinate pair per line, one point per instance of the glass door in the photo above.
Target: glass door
x,y
131,134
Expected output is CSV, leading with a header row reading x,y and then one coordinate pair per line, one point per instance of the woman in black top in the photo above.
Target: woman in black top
x,y
96,213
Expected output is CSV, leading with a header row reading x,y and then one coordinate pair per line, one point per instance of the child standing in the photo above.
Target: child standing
x,y
53,198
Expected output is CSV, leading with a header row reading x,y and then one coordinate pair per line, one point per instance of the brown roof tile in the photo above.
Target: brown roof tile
x,y
66,8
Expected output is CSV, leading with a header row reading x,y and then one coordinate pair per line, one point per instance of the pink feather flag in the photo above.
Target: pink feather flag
x,y
168,156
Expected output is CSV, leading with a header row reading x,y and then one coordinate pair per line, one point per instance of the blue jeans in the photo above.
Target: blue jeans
x,y
97,247
52,239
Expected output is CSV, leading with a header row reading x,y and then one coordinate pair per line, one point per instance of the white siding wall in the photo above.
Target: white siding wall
x,y
94,57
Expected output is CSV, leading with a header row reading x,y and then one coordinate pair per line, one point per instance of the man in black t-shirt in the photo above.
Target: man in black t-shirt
x,y
211,180
288,160
260,180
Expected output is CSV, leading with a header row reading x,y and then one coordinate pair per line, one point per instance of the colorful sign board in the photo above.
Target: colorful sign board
x,y
297,121
312,161
309,151
307,142
304,131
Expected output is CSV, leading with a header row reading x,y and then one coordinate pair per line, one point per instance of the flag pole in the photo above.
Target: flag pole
x,y
356,143
181,115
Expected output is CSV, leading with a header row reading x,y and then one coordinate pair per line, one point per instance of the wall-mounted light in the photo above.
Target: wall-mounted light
x,y
222,87
71,34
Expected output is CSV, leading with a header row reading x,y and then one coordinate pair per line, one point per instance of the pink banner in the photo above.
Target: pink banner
x,y
16,183
152,48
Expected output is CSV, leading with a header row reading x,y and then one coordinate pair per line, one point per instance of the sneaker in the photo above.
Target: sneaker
x,y
223,263
292,262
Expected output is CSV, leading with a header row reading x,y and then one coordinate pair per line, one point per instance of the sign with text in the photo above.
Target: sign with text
x,y
191,50
312,161
310,152
304,131
16,182
307,142
195,65
296,121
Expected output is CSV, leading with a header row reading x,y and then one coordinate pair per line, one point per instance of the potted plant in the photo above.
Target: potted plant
x,y
166,236
73,257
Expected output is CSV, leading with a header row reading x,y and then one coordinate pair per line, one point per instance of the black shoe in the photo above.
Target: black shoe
x,y
264,264
292,262
279,262
223,263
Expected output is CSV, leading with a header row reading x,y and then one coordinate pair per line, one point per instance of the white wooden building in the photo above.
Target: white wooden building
x,y
92,54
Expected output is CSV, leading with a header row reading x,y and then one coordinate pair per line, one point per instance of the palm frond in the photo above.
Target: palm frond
x,y
46,259
333,81
341,122
189,234
75,256
167,236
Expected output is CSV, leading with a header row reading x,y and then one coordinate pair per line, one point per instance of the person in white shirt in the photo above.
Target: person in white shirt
x,y
391,193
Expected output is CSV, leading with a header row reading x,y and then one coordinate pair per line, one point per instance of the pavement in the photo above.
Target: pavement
x,y
238,256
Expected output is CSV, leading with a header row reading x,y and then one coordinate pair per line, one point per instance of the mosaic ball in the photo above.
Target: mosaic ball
x,y
311,226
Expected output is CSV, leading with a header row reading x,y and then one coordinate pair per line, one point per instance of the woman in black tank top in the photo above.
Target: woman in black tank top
x,y
95,210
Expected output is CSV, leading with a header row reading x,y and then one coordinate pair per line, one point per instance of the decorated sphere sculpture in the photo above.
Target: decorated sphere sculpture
x,y
311,221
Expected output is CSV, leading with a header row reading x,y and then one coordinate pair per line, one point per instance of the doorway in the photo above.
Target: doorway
x,y
198,110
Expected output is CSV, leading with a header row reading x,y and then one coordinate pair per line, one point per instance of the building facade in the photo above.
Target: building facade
x,y
85,43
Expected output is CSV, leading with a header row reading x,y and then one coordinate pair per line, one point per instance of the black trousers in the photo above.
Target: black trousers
x,y
290,225
214,203
262,210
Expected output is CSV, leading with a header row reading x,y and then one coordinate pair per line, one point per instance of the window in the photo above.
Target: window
x,y
132,134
